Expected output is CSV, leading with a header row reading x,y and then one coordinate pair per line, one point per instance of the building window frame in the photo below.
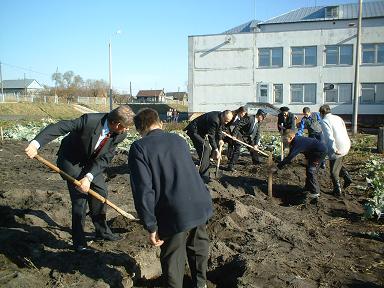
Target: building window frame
x,y
303,51
278,88
338,53
375,89
338,89
377,51
303,89
267,57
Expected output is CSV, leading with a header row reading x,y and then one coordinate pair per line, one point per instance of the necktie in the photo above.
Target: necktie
x,y
101,145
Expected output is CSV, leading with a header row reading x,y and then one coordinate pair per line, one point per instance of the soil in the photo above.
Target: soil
x,y
256,241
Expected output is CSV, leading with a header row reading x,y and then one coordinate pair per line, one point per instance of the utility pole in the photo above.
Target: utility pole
x,y
130,90
357,71
1,81
110,76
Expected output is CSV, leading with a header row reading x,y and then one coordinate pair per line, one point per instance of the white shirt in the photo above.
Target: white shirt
x,y
103,134
335,136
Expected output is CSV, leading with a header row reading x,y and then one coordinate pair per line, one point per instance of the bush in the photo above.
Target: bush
x,y
375,175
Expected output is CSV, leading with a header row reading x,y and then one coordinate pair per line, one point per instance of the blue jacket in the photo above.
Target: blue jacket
x,y
312,123
310,147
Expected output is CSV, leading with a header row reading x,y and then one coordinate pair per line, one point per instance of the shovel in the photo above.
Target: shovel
x,y
77,183
218,172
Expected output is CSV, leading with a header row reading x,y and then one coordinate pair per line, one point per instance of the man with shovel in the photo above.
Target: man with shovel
x,y
171,199
208,125
84,154
249,129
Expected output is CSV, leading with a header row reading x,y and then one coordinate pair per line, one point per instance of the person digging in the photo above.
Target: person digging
x,y
314,152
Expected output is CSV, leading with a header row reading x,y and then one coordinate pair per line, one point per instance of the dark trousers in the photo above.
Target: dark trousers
x,y
203,150
311,181
79,204
236,152
335,166
193,245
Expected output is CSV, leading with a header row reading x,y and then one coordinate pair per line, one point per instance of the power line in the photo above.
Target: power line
x,y
26,69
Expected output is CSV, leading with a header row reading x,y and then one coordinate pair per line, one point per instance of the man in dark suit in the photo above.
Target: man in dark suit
x,y
84,154
208,125
171,199
248,128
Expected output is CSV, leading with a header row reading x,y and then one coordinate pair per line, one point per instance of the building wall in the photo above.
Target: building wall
x,y
225,75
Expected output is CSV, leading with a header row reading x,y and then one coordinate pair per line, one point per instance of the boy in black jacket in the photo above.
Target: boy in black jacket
x,y
314,151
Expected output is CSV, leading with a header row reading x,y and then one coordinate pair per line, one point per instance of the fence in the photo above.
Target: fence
x,y
15,97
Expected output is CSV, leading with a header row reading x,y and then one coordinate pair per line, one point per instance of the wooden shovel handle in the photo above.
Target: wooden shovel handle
x,y
77,183
245,144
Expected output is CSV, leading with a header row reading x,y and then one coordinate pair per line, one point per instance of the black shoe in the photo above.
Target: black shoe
x,y
206,179
322,165
82,249
230,168
108,237
347,182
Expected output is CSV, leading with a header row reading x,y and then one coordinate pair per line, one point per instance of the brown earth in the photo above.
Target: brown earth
x,y
255,241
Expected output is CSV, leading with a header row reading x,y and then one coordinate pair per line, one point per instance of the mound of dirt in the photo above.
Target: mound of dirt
x,y
255,241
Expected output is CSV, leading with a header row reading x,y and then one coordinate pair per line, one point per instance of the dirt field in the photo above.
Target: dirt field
x,y
255,241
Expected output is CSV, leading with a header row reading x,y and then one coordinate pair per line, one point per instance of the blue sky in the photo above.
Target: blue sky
x,y
151,51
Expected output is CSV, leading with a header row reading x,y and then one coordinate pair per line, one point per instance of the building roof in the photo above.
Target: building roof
x,y
150,93
244,28
345,11
18,84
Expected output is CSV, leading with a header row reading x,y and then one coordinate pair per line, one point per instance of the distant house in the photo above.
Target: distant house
x,y
147,96
180,96
22,86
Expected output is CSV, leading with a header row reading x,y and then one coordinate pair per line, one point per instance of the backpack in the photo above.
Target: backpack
x,y
313,125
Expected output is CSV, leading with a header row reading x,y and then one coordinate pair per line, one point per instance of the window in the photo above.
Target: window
x,y
278,93
332,12
303,93
373,53
303,56
341,93
372,93
271,57
338,55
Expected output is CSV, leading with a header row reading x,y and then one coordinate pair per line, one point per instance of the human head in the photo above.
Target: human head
x,y
146,120
324,110
288,136
241,111
120,118
306,111
226,116
284,110
260,115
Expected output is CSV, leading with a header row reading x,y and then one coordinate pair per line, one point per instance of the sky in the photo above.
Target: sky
x,y
149,38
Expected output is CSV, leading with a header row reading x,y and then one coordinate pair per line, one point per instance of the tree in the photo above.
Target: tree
x,y
68,78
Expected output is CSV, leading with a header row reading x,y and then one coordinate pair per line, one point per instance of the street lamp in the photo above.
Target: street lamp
x,y
110,70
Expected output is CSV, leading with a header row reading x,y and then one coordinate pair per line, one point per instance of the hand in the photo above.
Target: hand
x,y
155,240
274,169
256,147
221,143
337,152
85,185
31,151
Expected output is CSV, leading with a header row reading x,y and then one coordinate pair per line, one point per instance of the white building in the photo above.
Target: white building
x,y
292,60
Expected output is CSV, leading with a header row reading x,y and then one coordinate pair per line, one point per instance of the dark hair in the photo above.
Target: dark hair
x,y
325,109
241,109
145,118
122,114
306,110
261,112
284,109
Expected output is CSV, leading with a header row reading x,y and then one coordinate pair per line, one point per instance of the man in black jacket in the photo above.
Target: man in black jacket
x,y
209,124
314,151
84,154
171,199
247,128
285,120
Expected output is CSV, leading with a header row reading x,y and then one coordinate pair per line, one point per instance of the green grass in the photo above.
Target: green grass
x,y
19,113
